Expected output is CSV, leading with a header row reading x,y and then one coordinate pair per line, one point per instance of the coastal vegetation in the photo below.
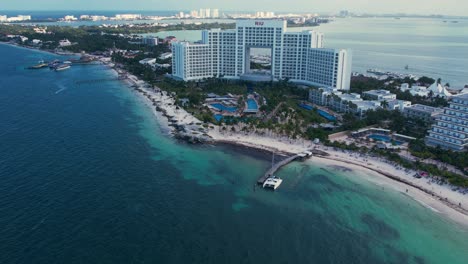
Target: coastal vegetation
x,y
280,112
361,84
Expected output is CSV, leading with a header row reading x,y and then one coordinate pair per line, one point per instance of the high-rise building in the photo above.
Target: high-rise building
x,y
450,130
208,13
297,56
194,13
215,13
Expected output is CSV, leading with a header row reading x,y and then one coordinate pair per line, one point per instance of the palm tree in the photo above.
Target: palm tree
x,y
384,104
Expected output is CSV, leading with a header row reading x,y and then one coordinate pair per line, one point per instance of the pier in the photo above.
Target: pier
x,y
282,163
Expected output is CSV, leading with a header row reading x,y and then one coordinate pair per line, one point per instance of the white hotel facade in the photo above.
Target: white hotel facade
x,y
450,131
297,56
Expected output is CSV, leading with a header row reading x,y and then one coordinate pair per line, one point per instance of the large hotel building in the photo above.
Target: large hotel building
x,y
450,130
297,56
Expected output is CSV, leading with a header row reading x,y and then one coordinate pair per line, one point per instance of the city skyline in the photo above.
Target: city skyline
x,y
449,7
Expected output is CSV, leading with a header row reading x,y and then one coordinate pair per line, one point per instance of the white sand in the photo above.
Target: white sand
x,y
439,198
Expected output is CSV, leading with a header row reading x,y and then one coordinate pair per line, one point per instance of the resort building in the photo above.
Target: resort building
x,y
435,90
150,41
342,102
397,104
165,56
424,112
379,95
64,43
450,131
295,56
148,61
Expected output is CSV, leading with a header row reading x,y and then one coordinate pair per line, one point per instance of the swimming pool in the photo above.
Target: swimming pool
x,y
383,138
326,115
222,107
306,107
252,106
218,117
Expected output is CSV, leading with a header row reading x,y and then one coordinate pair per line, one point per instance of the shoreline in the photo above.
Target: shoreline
x,y
174,121
438,198
420,195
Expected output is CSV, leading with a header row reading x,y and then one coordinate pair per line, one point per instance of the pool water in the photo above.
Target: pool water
x,y
326,115
307,107
218,117
224,108
383,138
252,104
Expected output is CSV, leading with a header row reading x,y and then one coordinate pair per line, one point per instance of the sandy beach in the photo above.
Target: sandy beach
x,y
439,198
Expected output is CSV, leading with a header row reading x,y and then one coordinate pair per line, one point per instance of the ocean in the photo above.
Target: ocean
x,y
87,175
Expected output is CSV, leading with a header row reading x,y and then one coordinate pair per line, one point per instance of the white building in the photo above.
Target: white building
x,y
438,90
297,56
148,61
379,95
450,130
194,13
98,18
70,18
215,13
127,16
18,18
165,56
397,105
150,41
3,18
342,102
40,30
424,112
64,43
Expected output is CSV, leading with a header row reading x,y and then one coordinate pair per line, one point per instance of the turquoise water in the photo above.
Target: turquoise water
x,y
252,104
222,107
87,176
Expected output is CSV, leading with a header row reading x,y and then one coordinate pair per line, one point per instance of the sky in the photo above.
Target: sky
x,y
446,7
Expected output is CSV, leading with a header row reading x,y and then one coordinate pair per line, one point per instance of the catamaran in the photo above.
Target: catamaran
x,y
272,182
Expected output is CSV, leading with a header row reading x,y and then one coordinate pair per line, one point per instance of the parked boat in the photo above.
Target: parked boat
x,y
62,67
272,183
41,64
53,64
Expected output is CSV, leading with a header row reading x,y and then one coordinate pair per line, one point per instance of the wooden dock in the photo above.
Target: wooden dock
x,y
280,164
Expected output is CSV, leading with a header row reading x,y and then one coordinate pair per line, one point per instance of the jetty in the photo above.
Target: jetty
x,y
282,163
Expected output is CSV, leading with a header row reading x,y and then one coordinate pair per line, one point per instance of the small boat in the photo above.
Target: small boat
x,y
406,67
67,62
53,64
62,67
41,64
272,182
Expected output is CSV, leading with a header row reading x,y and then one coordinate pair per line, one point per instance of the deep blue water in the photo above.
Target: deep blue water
x,y
87,176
